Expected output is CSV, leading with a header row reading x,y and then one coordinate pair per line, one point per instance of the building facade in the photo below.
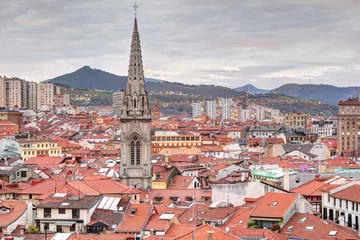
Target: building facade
x,y
196,109
135,118
324,128
226,104
295,120
349,127
211,109
117,104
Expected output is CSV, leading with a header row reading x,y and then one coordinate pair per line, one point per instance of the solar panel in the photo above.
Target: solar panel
x,y
114,204
108,203
103,202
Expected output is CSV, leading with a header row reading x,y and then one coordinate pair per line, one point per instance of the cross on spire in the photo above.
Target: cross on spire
x,y
135,7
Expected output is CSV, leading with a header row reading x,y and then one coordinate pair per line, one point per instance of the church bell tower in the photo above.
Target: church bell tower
x,y
135,118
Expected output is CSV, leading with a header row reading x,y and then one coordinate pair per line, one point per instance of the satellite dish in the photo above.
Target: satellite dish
x,y
227,229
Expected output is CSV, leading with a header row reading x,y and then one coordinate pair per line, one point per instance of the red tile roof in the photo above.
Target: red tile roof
x,y
321,228
16,210
274,205
351,193
137,221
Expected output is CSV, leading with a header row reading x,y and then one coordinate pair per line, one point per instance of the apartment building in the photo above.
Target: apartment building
x,y
2,92
324,128
211,109
342,204
39,148
349,127
45,95
117,102
226,104
296,120
16,93
32,89
196,109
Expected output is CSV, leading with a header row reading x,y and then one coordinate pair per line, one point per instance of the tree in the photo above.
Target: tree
x,y
275,227
33,229
252,224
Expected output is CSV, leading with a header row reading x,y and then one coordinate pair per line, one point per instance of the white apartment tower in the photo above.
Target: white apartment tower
x,y
196,109
211,109
226,104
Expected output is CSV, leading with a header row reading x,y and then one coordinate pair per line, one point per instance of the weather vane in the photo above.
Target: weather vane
x,y
135,7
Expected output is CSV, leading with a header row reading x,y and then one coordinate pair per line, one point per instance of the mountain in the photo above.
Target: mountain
x,y
251,89
323,93
89,78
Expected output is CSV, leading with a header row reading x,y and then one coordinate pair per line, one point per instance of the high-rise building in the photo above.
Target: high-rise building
x,y
135,118
349,127
32,89
211,109
2,92
226,105
196,109
260,114
16,93
117,103
45,95
245,115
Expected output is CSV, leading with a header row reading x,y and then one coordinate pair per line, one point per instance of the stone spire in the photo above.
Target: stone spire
x,y
136,99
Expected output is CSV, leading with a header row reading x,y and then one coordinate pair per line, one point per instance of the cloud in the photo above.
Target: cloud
x,y
230,43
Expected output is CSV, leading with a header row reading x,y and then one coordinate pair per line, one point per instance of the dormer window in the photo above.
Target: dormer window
x,y
4,210
132,211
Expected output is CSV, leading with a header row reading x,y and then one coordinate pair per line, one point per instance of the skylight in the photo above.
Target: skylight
x,y
290,229
310,228
190,219
332,233
240,222
275,203
65,204
303,219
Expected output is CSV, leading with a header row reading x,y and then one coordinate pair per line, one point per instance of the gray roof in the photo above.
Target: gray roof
x,y
302,147
67,202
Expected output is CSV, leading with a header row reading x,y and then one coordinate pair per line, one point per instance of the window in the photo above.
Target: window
x,y
132,211
46,226
347,204
75,213
340,202
47,212
61,211
135,151
23,174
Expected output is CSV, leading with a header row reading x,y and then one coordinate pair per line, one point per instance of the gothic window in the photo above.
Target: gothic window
x,y
135,151
143,102
134,103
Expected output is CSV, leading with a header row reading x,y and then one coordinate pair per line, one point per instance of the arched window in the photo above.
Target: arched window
x,y
134,103
135,151
143,102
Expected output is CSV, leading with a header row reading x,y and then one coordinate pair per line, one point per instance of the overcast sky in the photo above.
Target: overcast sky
x,y
266,43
